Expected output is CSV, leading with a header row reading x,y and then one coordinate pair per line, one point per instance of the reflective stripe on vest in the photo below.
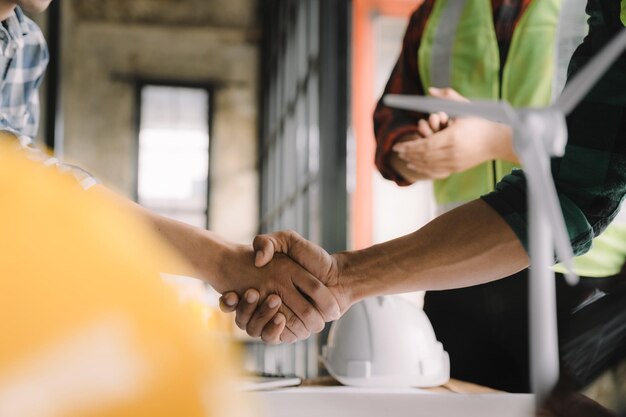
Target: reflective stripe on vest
x,y
441,65
571,30
462,53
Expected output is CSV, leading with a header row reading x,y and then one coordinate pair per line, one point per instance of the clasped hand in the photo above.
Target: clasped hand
x,y
441,147
293,290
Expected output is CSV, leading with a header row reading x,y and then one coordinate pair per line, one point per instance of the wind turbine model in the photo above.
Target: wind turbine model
x,y
538,135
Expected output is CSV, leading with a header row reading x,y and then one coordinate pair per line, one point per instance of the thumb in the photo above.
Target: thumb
x,y
264,250
447,93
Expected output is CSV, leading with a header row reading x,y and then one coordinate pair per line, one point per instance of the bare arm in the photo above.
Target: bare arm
x,y
449,252
203,249
306,302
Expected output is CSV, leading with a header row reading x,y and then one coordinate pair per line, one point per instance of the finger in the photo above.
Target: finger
x,y
322,298
444,119
443,155
310,256
288,337
435,168
423,128
263,315
399,147
304,311
441,141
246,307
272,330
264,250
433,158
228,302
421,150
416,145
412,156
294,324
266,246
434,121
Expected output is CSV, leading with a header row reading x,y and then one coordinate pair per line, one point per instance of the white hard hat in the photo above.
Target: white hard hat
x,y
385,342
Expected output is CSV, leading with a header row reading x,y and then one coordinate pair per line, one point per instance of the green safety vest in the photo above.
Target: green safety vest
x,y
459,49
623,13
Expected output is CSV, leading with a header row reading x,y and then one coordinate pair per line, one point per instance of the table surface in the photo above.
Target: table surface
x,y
369,402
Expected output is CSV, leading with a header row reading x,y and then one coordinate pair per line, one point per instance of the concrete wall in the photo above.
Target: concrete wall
x,y
108,45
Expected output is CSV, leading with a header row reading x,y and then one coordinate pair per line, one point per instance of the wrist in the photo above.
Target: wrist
x,y
351,280
227,265
500,143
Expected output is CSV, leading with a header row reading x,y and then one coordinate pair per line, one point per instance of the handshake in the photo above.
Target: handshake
x,y
284,288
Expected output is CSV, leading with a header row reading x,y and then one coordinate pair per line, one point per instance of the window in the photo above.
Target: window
x,y
173,152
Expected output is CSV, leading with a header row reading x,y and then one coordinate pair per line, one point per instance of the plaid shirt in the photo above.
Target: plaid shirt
x,y
591,176
391,124
23,60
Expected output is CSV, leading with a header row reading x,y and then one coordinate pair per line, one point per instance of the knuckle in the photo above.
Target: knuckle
x,y
313,319
317,288
285,234
293,322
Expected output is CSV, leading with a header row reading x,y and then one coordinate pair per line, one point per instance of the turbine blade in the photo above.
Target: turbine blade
x,y
540,176
497,111
586,78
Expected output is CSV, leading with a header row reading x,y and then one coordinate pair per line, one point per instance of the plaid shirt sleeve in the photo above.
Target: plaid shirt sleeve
x,y
591,176
390,124
23,65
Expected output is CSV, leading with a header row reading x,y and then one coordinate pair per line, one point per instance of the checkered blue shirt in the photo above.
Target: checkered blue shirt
x,y
23,60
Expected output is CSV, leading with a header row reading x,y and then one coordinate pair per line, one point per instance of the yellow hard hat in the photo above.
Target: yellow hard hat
x,y
87,327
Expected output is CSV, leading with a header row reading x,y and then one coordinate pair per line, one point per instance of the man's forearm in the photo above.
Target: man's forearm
x,y
466,246
203,249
